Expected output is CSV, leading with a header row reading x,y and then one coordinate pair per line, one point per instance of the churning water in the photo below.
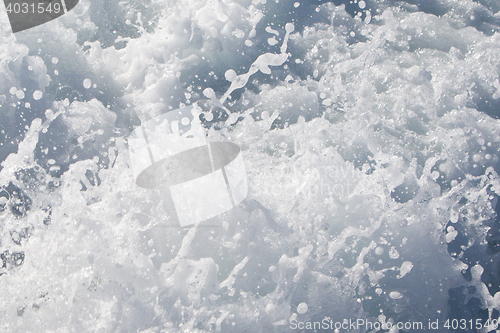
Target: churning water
x,y
370,136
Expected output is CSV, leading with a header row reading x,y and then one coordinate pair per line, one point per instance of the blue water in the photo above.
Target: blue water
x,y
371,155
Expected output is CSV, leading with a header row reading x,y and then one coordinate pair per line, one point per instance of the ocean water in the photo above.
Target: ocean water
x,y
370,133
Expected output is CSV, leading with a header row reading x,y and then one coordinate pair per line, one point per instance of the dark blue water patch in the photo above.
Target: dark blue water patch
x,y
493,236
435,7
487,255
17,115
306,14
461,307
357,153
406,191
58,144
47,220
18,201
20,235
483,101
492,5
484,21
4,199
69,85
444,180
53,144
11,260
460,241
110,19
210,73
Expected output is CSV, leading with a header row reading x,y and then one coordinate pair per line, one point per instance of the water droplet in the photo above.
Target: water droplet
x,y
37,95
87,83
302,308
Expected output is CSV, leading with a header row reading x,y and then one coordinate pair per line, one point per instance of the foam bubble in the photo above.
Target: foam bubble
x,y
350,173
87,83
395,295
37,95
302,308
20,94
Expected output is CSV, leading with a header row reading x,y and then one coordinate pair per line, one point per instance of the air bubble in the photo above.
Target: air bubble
x,y
230,76
87,83
208,116
395,295
302,308
37,95
239,33
209,92
272,41
289,27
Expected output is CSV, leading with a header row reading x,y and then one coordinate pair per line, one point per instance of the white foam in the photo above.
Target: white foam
x,y
37,95
390,119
